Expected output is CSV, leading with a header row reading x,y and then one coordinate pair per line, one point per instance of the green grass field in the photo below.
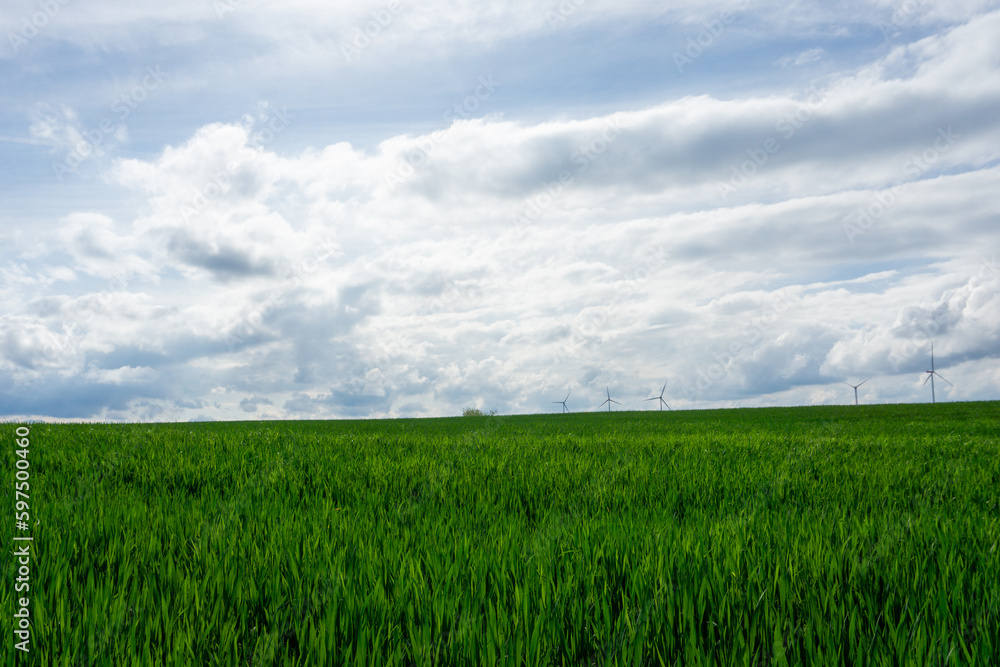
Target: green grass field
x,y
823,535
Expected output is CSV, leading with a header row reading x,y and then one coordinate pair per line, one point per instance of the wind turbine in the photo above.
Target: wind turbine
x,y
609,401
660,397
930,376
563,403
855,388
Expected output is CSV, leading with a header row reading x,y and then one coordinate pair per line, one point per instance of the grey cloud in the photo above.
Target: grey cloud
x,y
336,402
223,260
436,303
74,397
880,122
253,404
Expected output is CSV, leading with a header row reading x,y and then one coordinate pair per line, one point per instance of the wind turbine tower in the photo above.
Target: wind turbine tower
x,y
855,386
609,401
660,398
930,376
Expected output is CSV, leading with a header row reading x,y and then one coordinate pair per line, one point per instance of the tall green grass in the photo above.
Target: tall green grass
x,y
852,536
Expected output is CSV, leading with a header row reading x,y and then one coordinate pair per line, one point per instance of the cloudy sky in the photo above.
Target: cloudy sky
x,y
262,209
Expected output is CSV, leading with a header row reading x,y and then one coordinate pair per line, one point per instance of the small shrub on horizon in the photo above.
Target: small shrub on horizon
x,y
476,412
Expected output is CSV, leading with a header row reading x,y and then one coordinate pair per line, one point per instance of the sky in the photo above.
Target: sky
x,y
295,209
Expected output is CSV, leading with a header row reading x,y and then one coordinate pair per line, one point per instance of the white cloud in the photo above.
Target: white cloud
x,y
123,375
803,58
97,249
502,263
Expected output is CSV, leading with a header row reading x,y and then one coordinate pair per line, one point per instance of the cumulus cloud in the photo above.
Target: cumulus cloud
x,y
800,59
125,374
253,403
751,249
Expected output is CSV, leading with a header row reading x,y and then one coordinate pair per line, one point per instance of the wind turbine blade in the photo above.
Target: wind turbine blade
x,y
664,388
866,380
847,383
942,377
926,379
651,399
